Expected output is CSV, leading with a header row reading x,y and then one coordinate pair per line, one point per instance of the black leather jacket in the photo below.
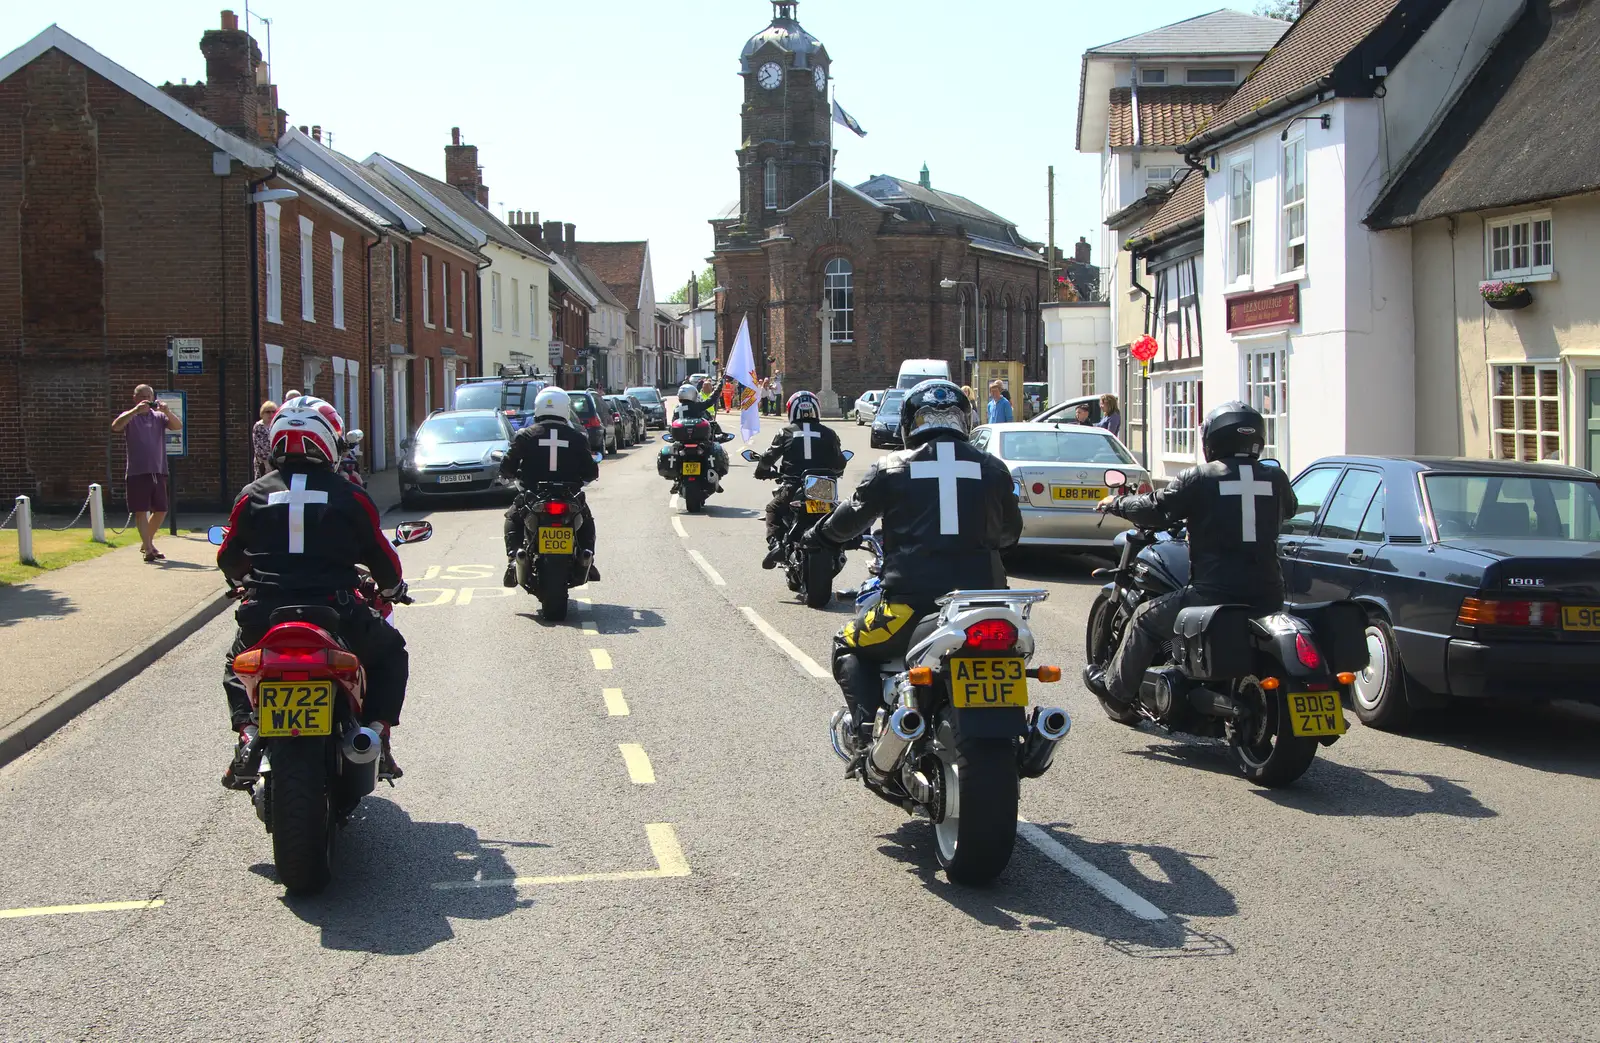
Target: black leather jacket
x,y
1234,509
301,534
792,453
530,463
940,533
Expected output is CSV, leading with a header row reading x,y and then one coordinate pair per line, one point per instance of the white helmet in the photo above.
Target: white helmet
x,y
553,404
687,393
353,437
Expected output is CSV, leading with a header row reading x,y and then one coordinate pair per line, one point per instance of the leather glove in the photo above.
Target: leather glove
x,y
395,593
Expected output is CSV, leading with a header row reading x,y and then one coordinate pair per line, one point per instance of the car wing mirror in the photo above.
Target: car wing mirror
x,y
412,532
724,437
750,455
216,534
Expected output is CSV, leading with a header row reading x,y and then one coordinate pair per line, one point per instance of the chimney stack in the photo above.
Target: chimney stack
x,y
552,237
316,133
461,168
231,99
1080,252
230,21
483,190
572,240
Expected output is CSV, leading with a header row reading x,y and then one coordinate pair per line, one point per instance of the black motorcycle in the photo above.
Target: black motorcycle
x,y
812,496
689,460
1271,686
549,563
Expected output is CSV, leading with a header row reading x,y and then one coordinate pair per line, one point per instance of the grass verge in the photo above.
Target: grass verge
x,y
55,550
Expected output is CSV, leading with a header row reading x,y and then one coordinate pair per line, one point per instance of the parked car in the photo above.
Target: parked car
x,y
867,407
632,420
886,420
653,404
456,453
586,415
511,396
1066,412
1035,398
1481,578
642,414
1059,473
611,422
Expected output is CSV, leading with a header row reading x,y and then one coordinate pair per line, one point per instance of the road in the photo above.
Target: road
x,y
631,826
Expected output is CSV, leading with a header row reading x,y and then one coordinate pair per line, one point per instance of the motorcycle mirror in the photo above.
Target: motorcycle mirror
x,y
598,458
848,456
216,534
1270,462
666,437
724,437
412,532
750,455
1116,478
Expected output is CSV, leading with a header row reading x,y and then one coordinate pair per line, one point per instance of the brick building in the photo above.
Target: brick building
x,y
878,251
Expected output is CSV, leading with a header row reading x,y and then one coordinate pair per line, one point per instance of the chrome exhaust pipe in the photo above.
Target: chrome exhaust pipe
x,y
905,726
361,745
842,732
1050,726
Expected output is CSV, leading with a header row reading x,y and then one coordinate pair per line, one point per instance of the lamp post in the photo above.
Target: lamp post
x,y
950,284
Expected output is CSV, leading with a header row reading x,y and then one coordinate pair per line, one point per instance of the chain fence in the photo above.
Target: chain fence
x,y
13,514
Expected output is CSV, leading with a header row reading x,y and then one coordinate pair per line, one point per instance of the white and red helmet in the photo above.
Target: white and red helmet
x,y
306,430
803,405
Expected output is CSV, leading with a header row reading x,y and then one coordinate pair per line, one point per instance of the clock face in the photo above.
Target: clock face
x,y
820,75
770,76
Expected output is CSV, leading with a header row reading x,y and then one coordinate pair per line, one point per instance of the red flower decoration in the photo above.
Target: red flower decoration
x,y
1145,348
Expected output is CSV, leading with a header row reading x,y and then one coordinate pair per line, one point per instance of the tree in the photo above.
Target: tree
x,y
707,281
1282,10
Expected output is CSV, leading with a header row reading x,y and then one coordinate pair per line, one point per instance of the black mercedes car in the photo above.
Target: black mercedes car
x,y
1481,578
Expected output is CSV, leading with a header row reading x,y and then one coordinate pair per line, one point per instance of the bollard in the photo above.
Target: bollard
x,y
25,532
97,515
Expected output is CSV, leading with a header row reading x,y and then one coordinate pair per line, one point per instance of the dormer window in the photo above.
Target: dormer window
x,y
1208,75
1153,77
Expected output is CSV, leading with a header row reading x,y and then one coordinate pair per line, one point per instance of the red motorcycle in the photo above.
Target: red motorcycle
x,y
310,758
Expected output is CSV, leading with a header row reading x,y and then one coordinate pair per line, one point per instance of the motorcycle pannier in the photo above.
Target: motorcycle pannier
x,y
664,465
1341,631
1213,642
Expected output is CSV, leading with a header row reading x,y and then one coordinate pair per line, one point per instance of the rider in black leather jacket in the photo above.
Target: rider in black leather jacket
x,y
549,450
948,510
1233,506
692,407
805,445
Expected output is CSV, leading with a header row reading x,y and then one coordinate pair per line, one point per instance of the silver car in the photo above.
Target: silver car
x,y
1060,474
867,407
456,453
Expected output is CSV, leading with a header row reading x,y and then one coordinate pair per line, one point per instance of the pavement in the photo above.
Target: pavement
x,y
631,826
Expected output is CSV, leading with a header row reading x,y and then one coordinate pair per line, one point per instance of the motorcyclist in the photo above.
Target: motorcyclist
x,y
550,449
806,444
350,462
1233,507
948,510
691,407
295,537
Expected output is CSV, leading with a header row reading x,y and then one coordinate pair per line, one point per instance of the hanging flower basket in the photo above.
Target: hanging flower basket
x,y
1066,293
1505,296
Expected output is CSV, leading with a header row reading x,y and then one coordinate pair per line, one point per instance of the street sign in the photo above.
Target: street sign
x,y
188,356
177,403
557,350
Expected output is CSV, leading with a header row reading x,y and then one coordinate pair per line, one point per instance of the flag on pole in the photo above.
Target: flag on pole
x,y
742,367
844,119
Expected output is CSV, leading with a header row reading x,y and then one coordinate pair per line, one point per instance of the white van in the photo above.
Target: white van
x,y
915,371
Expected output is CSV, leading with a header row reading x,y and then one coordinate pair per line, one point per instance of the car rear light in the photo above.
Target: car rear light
x,y
593,421
992,635
1145,488
1307,652
555,510
1038,487
1496,612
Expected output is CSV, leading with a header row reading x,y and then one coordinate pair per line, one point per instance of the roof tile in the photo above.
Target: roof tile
x,y
1167,115
619,265
1187,201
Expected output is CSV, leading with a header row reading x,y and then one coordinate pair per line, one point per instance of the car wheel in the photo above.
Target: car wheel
x,y
1378,695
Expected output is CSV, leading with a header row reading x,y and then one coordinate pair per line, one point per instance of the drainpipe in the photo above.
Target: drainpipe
x,y
1138,131
479,295
253,368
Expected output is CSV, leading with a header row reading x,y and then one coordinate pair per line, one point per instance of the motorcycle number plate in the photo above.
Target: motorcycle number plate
x,y
1314,714
979,683
818,507
690,468
556,541
292,710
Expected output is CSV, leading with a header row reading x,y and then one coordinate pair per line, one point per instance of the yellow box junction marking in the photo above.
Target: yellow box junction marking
x,y
616,705
639,769
602,658
664,847
590,628
93,907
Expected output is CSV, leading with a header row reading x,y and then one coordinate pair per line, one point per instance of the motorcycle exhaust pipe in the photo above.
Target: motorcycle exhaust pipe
x,y
1050,726
842,731
905,726
361,745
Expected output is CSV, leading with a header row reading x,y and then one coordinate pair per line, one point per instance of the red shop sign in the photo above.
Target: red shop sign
x,y
1279,307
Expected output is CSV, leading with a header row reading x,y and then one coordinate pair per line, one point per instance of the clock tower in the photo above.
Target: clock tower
x,y
783,153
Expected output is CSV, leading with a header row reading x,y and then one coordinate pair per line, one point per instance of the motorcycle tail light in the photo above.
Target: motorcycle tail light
x,y
992,635
555,510
1495,612
1307,652
247,662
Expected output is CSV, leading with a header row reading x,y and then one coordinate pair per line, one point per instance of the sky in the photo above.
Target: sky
x,y
622,116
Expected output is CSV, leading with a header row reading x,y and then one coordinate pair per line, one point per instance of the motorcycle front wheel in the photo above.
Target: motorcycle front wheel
x,y
301,815
977,827
1098,649
1265,748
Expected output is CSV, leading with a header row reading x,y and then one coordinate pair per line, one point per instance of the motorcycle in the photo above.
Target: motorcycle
x,y
309,758
548,564
810,572
955,736
1270,687
688,460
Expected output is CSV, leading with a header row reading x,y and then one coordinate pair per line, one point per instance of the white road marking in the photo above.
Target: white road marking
x,y
616,705
808,664
602,658
705,566
677,525
1052,849
664,848
68,910
640,773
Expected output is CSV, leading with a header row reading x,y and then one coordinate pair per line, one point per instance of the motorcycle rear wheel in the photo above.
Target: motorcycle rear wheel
x,y
694,497
1265,749
978,825
302,815
1098,649
817,587
551,587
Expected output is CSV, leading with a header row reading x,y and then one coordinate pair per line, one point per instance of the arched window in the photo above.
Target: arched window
x,y
985,305
1005,329
769,184
839,290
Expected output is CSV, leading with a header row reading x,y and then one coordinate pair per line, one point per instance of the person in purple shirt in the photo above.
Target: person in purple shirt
x,y
145,427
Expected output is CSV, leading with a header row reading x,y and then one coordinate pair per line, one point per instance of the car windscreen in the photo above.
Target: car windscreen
x,y
1518,507
890,406
497,396
1062,447
582,406
649,395
443,430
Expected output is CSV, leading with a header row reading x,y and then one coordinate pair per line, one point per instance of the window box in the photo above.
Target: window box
x,y
1505,296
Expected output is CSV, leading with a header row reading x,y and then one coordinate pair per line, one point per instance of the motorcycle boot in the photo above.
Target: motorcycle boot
x,y
245,766
388,768
774,556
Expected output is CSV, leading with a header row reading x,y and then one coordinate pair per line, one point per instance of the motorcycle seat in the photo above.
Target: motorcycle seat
x,y
324,616
925,626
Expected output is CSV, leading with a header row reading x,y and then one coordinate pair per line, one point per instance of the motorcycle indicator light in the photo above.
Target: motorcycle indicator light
x,y
1270,683
1346,678
1049,674
920,676
343,662
1307,652
992,635
247,662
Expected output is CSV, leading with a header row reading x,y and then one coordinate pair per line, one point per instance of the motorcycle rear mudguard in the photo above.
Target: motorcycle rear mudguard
x,y
1006,722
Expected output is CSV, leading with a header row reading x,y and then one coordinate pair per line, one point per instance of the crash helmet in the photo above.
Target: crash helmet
x,y
803,405
553,404
353,437
1234,429
306,430
931,407
688,393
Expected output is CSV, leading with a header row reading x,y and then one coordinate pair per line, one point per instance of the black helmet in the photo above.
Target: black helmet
x,y
1234,429
931,407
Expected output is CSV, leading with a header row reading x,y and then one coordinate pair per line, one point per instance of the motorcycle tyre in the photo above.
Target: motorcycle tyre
x,y
978,847
1092,653
1291,754
694,497
551,589
817,584
302,816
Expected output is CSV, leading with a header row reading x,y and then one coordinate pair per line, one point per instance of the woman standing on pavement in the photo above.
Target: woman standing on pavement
x,y
260,440
1111,417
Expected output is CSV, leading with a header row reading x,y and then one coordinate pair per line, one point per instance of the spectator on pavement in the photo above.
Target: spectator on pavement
x,y
1111,416
292,394
999,405
145,428
260,437
974,419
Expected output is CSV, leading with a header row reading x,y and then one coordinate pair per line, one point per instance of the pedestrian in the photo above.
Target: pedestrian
x,y
966,389
261,438
1080,414
291,395
999,405
145,428
1111,416
727,395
